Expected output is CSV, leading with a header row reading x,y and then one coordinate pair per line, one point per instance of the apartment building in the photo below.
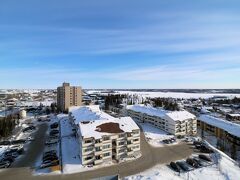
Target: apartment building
x,y
68,96
174,122
104,138
223,130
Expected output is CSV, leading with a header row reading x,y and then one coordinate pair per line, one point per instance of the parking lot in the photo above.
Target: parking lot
x,y
49,160
32,150
201,158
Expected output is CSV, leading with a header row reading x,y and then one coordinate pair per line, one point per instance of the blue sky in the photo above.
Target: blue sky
x,y
120,43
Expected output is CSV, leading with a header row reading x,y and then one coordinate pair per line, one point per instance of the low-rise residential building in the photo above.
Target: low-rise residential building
x,y
174,122
233,117
104,138
221,129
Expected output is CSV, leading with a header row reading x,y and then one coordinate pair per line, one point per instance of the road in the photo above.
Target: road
x,y
34,149
151,156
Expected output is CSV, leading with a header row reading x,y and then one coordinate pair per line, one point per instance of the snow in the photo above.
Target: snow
x,y
230,127
70,149
154,135
88,113
89,130
180,115
224,169
147,110
174,115
177,94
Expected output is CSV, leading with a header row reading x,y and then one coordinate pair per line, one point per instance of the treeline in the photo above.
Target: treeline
x,y
114,100
228,101
7,125
166,103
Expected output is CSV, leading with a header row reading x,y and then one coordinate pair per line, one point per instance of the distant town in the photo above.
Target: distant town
x,y
119,133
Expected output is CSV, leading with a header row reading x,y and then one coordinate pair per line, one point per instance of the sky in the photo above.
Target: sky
x,y
155,44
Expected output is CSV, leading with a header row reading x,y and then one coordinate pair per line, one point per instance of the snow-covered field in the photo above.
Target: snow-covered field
x,y
177,95
224,169
154,135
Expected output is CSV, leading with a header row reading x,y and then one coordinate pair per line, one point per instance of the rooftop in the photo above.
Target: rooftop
x,y
88,113
174,115
97,129
230,127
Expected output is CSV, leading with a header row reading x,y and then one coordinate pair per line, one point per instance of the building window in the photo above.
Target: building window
x,y
121,143
106,138
88,158
98,141
135,140
121,151
106,146
121,135
98,149
88,149
87,141
106,154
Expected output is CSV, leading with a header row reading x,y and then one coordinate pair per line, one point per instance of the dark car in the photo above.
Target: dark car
x,y
50,158
204,157
192,163
200,163
49,164
54,132
205,149
4,164
20,141
8,158
50,152
175,167
4,143
183,166
54,125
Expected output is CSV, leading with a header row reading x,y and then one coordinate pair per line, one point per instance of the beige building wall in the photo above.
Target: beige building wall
x,y
68,96
109,148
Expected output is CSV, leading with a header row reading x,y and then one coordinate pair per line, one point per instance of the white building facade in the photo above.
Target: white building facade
x,y
104,138
174,122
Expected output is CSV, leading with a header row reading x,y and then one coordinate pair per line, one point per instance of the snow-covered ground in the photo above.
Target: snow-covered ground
x,y
223,169
154,135
177,94
70,148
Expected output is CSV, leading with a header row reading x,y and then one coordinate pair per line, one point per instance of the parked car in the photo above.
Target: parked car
x,y
175,167
54,125
52,152
30,128
205,149
4,164
200,163
51,142
192,163
183,166
8,158
5,143
50,158
204,157
54,132
20,141
49,164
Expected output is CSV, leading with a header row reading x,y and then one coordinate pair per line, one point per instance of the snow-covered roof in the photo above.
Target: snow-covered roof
x,y
147,110
234,115
88,113
230,127
180,115
174,115
99,128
